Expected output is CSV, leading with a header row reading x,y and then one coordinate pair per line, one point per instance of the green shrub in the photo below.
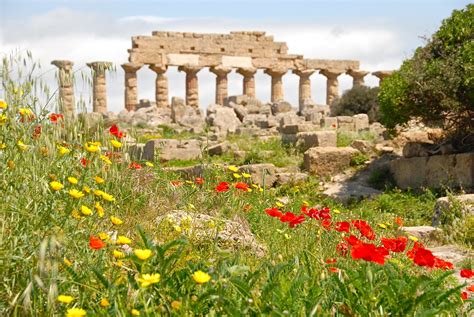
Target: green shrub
x,y
359,99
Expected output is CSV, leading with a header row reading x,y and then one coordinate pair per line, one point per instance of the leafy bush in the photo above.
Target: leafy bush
x,y
359,99
437,84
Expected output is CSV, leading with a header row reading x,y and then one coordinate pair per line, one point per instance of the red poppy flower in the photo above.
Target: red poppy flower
x,y
297,220
134,165
242,186
369,252
342,248
222,187
273,212
114,130
326,223
287,217
395,245
84,161
399,221
467,273
96,243
315,213
464,296
421,256
364,228
470,288
54,117
342,226
442,264
247,208
330,261
352,240
333,269
176,183
199,180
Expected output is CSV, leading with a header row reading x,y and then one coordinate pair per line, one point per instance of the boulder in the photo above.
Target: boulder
x,y
416,149
327,161
306,140
362,145
204,229
219,149
427,234
348,192
296,128
171,149
262,174
290,178
239,110
223,117
288,118
346,123
281,107
253,119
462,204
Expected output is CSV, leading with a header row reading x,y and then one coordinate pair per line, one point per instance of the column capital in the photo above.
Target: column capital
x,y
330,74
381,74
189,69
220,71
247,72
99,67
357,73
63,64
276,72
131,67
158,68
303,72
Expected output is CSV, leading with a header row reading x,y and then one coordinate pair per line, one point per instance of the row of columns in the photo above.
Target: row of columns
x,y
66,93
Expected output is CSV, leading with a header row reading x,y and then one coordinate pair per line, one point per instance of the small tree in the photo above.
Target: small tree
x,y
437,84
359,99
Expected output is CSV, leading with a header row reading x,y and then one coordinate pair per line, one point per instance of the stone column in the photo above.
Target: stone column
x,y
382,74
357,76
192,86
221,82
161,85
66,87
304,86
332,85
99,88
249,81
131,96
277,83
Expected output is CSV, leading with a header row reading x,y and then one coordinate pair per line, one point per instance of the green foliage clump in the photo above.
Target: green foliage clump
x,y
359,99
437,84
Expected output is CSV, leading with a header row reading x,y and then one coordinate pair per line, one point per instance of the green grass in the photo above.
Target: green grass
x,y
345,138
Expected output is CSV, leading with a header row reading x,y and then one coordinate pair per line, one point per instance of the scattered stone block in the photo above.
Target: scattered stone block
x,y
290,178
223,117
346,123
281,107
417,149
171,149
327,161
262,174
306,140
295,128
362,145
426,234
361,122
219,149
445,205
330,122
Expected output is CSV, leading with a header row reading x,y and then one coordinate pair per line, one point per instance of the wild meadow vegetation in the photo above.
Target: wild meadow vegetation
x,y
79,232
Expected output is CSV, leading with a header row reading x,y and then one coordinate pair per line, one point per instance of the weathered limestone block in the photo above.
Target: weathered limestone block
x,y
447,205
220,148
330,122
186,116
345,123
455,170
223,117
314,116
296,128
66,87
262,174
281,107
426,234
362,145
290,178
170,149
361,122
328,161
239,110
417,149
306,140
288,118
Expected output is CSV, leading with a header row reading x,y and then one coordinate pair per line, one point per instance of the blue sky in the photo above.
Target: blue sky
x,y
378,33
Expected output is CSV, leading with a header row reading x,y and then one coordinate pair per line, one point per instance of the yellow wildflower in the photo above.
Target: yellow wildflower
x,y
149,164
233,168
255,186
63,150
56,185
3,146
86,211
142,254
100,209
237,175
3,105
76,193
98,192
116,144
116,221
105,159
72,180
22,146
3,119
65,299
75,214
104,302
305,203
67,262
108,197
75,312
118,254
123,240
413,238
148,279
176,305
103,236
245,175
11,164
25,111
86,189
336,211
135,312
177,228
99,180
201,277
279,204
92,147
382,225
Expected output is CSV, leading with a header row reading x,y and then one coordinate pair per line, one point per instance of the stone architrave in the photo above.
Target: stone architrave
x,y
357,76
304,85
332,85
382,74
192,86
131,96
249,81
99,86
66,88
221,82
277,83
161,85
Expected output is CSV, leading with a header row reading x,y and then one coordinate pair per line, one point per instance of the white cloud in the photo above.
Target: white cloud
x,y
83,37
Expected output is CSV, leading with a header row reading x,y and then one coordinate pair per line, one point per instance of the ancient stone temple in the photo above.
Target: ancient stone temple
x,y
244,52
